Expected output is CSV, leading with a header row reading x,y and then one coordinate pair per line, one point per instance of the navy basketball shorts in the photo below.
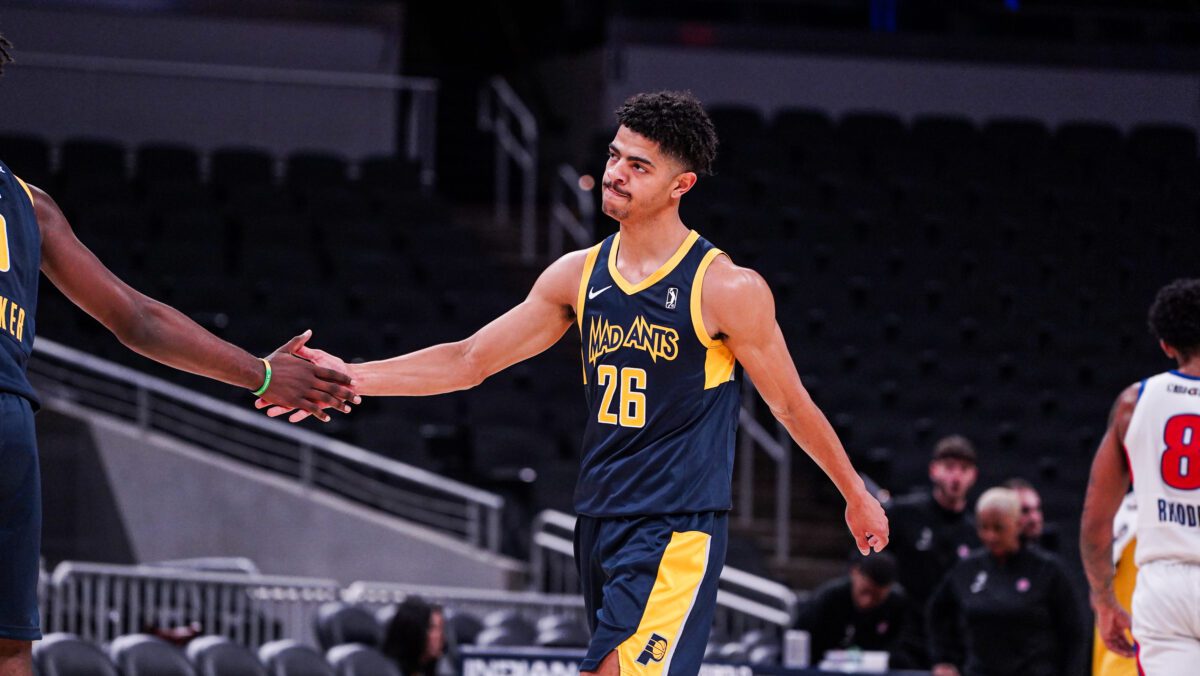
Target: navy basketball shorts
x,y
650,588
20,521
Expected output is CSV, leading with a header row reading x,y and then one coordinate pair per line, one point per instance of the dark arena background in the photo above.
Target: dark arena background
x,y
964,210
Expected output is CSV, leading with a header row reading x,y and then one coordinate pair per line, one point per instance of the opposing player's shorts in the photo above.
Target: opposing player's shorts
x,y
20,521
1166,624
650,587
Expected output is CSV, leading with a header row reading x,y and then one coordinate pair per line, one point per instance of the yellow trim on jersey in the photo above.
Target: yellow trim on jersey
x,y
697,285
718,366
680,573
589,264
719,361
26,186
630,288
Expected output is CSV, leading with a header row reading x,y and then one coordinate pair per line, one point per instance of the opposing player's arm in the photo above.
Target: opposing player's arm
x,y
738,305
1107,485
524,331
164,334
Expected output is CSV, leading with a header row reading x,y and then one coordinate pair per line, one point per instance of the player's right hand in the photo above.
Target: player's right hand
x,y
1114,625
303,385
868,522
321,359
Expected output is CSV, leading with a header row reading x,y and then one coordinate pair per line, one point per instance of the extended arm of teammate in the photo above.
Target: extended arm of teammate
x,y
165,335
742,308
1107,485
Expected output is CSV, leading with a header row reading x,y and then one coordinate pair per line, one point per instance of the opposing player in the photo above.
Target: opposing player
x,y
665,319
1153,438
34,235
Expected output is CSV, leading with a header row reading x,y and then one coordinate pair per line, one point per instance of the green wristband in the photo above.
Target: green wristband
x,y
266,380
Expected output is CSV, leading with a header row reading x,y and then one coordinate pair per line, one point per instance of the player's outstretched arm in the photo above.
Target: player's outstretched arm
x,y
165,335
738,304
524,331
1107,485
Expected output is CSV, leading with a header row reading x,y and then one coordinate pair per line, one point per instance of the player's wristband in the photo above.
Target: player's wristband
x,y
266,379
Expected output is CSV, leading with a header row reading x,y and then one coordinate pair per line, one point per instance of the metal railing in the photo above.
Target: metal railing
x,y
420,94
100,602
530,605
744,601
572,212
779,449
464,512
499,110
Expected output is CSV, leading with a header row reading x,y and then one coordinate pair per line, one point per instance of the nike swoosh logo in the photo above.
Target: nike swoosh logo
x,y
592,293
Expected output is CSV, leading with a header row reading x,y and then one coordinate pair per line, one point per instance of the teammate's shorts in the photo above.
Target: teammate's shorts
x,y
20,521
650,587
1166,624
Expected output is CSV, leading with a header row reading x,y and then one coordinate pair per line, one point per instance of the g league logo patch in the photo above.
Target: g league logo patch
x,y
672,297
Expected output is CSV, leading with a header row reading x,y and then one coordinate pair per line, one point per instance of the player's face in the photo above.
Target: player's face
x,y
999,532
640,182
1032,519
952,478
865,592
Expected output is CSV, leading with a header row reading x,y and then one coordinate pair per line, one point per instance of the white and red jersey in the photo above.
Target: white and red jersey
x,y
1163,445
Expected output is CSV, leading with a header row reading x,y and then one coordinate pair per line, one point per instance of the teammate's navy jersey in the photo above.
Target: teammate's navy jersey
x,y
20,260
661,393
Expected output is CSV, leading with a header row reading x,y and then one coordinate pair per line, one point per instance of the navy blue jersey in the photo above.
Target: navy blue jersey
x,y
661,393
20,261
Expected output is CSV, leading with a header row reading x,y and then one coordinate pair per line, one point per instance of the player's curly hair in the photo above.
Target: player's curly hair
x,y
677,123
1175,316
5,56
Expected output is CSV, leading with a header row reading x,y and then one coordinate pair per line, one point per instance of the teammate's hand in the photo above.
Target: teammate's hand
x,y
1114,624
319,358
867,521
944,669
303,385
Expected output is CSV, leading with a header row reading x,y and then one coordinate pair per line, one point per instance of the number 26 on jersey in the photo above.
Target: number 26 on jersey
x,y
631,382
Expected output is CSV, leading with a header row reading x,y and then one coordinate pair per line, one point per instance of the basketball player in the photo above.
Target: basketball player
x,y
665,319
1153,439
34,235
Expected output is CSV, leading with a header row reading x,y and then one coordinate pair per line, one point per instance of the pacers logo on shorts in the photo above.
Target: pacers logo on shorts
x,y
656,649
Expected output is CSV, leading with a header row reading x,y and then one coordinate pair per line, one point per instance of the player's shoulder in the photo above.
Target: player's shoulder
x,y
735,287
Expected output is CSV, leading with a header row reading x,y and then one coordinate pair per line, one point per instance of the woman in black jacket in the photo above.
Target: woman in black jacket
x,y
1008,608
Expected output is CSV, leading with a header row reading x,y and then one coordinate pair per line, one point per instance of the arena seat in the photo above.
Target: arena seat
x,y
241,167
359,660
338,623
464,627
91,158
64,654
158,162
290,658
145,655
219,656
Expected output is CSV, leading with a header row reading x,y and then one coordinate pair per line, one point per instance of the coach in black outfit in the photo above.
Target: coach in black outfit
x,y
864,609
1008,608
931,531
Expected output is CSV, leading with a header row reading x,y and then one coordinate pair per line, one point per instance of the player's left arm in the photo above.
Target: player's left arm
x,y
737,305
1107,485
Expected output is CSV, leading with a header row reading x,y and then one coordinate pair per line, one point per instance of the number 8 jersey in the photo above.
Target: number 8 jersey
x,y
662,395
1163,444
20,263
